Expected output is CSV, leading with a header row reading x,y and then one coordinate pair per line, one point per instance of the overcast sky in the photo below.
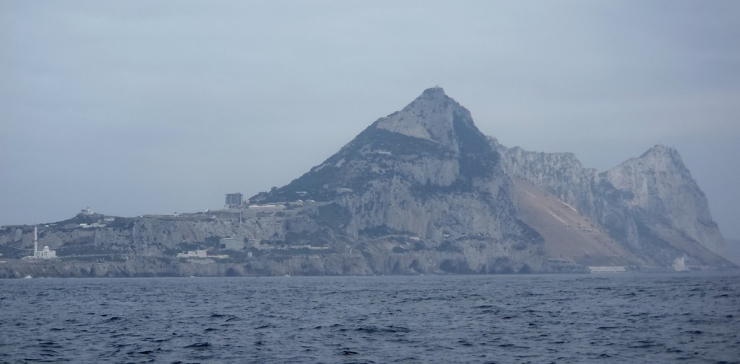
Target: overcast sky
x,y
136,107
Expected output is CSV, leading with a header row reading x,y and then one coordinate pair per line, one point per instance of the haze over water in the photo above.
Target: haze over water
x,y
665,318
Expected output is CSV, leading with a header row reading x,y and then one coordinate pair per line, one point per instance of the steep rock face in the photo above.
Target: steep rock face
x,y
560,173
654,205
650,204
432,116
426,172
659,190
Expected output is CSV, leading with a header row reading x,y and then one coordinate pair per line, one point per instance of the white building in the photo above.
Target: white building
x,y
616,269
679,265
46,253
193,254
235,243
266,208
201,255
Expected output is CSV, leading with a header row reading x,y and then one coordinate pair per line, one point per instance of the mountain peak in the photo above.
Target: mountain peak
x,y
433,92
661,155
660,164
434,96
430,116
658,150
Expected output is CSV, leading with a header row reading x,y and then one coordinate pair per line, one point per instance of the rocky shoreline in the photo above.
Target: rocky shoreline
x,y
333,265
303,265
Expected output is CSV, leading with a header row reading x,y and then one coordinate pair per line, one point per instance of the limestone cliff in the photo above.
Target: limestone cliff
x,y
419,191
650,204
425,173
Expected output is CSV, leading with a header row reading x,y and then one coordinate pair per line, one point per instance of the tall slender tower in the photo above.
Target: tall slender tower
x,y
35,240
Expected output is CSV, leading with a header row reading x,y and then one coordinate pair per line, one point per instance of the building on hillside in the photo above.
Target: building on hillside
x,y
267,208
235,243
234,200
45,253
194,254
201,255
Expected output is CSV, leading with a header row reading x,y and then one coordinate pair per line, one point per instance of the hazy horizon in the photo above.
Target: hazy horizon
x,y
133,108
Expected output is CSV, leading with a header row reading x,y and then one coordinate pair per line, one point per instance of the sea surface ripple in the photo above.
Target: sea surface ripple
x,y
620,318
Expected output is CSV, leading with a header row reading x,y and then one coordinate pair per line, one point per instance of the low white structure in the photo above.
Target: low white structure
x,y
193,254
200,255
266,208
616,269
92,226
679,265
45,253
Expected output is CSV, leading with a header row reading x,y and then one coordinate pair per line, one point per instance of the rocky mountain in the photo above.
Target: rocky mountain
x,y
428,175
421,190
651,205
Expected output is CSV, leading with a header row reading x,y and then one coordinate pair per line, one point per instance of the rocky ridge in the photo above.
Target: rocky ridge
x,y
650,204
419,191
427,173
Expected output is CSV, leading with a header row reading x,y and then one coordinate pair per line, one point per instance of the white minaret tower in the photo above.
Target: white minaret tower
x,y
35,240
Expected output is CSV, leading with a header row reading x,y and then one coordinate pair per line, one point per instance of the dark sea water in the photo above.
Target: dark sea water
x,y
627,318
